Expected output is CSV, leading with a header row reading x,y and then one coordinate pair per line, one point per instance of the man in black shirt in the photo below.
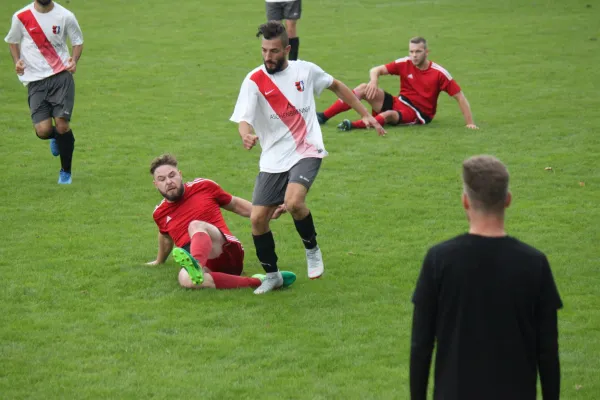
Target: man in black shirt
x,y
490,303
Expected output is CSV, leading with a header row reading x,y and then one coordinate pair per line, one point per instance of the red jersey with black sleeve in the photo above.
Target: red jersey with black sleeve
x,y
422,87
202,201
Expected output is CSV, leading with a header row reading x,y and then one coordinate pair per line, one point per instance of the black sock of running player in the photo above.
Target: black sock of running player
x,y
265,251
295,43
66,145
306,229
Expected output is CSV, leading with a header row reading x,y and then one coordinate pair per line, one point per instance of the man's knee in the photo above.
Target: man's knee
x,y
44,129
259,219
359,91
295,206
391,117
197,226
62,125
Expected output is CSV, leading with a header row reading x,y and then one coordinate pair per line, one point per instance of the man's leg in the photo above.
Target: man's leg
x,y
387,117
206,243
302,176
41,114
217,280
292,13
62,99
339,106
269,192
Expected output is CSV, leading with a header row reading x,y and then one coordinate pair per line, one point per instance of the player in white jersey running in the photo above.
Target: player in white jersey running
x,y
38,45
277,103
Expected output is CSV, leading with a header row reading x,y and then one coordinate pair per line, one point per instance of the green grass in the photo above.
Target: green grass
x,y
83,317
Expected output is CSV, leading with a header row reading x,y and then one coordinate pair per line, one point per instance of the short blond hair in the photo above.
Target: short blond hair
x,y
165,159
485,180
418,40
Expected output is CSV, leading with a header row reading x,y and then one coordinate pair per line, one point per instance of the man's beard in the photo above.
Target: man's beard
x,y
277,68
44,2
173,197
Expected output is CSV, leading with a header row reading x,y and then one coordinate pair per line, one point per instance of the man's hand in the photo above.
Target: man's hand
x,y
371,90
249,140
71,65
20,67
371,122
472,126
282,209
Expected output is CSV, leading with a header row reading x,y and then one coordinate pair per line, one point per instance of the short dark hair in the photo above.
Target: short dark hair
x,y
272,30
485,181
165,159
418,40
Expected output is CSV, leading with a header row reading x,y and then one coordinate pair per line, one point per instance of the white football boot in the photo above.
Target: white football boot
x,y
273,281
314,260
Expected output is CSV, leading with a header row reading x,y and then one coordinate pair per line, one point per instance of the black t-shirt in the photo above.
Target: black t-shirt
x,y
490,306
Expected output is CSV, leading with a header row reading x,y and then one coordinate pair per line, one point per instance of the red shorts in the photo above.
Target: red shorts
x,y
231,260
408,115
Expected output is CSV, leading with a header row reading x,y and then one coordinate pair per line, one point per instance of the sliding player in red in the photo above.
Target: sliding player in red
x,y
421,82
190,217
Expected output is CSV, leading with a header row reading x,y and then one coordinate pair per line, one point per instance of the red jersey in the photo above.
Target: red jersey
x,y
202,200
422,88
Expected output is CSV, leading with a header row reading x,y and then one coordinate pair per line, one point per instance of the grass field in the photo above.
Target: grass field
x,y
81,316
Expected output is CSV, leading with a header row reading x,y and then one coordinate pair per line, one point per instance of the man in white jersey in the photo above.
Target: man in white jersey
x,y
290,11
38,45
277,103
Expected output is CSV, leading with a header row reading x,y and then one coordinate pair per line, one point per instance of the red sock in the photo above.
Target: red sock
x,y
338,107
361,125
200,247
226,281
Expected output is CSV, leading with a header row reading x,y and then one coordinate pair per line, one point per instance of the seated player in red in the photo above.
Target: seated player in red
x,y
421,82
190,217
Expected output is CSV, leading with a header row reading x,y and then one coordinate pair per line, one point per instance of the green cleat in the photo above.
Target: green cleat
x,y
186,261
288,277
345,125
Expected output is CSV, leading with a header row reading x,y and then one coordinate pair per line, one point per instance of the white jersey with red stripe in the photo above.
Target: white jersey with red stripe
x,y
281,109
43,40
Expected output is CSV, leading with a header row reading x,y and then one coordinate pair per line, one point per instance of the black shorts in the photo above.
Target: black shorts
x,y
284,10
53,97
269,189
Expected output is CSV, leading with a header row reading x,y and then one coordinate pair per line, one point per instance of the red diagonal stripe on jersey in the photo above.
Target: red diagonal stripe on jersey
x,y
39,37
285,110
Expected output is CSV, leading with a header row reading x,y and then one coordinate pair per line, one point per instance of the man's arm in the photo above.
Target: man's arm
x,y
465,108
423,328
77,50
247,134
345,94
72,63
373,84
239,206
547,334
421,350
15,52
165,245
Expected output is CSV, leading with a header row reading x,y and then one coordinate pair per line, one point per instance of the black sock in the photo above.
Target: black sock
x,y
306,229
265,251
295,43
66,145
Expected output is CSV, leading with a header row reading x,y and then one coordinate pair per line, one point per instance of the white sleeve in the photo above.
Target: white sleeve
x,y
74,31
245,108
321,79
15,34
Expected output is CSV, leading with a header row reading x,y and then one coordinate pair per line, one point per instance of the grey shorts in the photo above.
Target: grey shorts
x,y
269,189
52,97
284,10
